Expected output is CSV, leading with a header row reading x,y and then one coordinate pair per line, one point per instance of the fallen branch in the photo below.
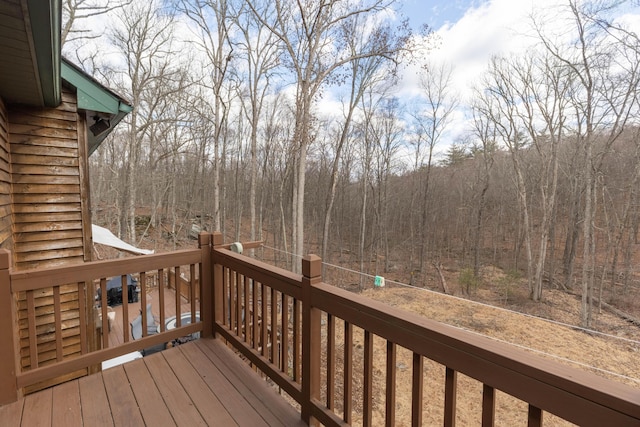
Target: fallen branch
x,y
443,282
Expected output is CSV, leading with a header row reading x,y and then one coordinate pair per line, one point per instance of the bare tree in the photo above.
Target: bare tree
x,y
386,132
76,11
432,121
211,27
144,41
485,132
310,34
362,74
260,50
603,60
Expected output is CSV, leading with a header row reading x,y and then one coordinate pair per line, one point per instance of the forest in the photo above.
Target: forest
x,y
232,130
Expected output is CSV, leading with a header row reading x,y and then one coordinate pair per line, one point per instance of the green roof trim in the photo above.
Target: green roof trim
x,y
46,25
95,98
92,96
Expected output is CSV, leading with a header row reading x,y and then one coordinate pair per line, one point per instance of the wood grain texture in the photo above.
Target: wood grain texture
x,y
43,148
198,383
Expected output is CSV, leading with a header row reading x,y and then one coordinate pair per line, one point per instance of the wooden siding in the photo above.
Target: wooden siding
x,y
47,177
51,219
18,77
6,235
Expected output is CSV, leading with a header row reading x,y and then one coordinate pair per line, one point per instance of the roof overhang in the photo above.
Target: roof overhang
x,y
32,70
104,108
30,52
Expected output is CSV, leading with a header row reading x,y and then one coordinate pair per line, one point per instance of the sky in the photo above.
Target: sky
x,y
470,32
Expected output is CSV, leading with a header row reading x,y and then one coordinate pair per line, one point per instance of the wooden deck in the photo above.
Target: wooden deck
x,y
195,384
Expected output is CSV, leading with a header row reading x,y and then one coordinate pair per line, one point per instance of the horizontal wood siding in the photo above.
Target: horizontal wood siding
x,y
6,235
48,223
46,179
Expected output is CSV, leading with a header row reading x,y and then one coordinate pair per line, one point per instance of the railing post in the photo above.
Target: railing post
x,y
218,277
8,367
206,284
311,275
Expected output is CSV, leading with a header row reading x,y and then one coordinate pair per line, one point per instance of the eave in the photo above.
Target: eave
x,y
96,100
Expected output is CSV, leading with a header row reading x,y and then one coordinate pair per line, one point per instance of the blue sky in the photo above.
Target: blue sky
x,y
434,13
472,31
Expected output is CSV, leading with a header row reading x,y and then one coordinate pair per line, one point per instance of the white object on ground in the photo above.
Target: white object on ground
x,y
105,237
121,359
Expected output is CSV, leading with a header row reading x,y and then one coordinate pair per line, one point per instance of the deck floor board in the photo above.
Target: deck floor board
x,y
150,401
177,401
11,414
94,402
241,410
198,383
66,405
124,408
37,409
279,412
205,400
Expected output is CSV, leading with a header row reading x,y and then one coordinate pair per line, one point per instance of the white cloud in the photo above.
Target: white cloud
x,y
492,28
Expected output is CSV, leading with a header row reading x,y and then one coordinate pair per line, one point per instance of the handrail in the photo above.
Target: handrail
x,y
83,278
282,322
547,386
562,390
55,276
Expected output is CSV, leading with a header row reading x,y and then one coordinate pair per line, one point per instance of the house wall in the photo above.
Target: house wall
x,y
51,217
6,235
49,203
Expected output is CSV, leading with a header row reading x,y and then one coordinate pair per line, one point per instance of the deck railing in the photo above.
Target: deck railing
x,y
335,353
301,333
47,314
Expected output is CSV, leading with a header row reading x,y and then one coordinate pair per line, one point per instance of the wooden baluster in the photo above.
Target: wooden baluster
x,y
297,341
239,299
178,298
105,313
368,379
82,307
263,315
254,315
488,406
125,308
31,318
331,360
226,297
417,390
231,299
57,316
143,304
284,354
274,327
245,310
192,292
238,309
450,388
163,317
534,417
390,404
347,398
